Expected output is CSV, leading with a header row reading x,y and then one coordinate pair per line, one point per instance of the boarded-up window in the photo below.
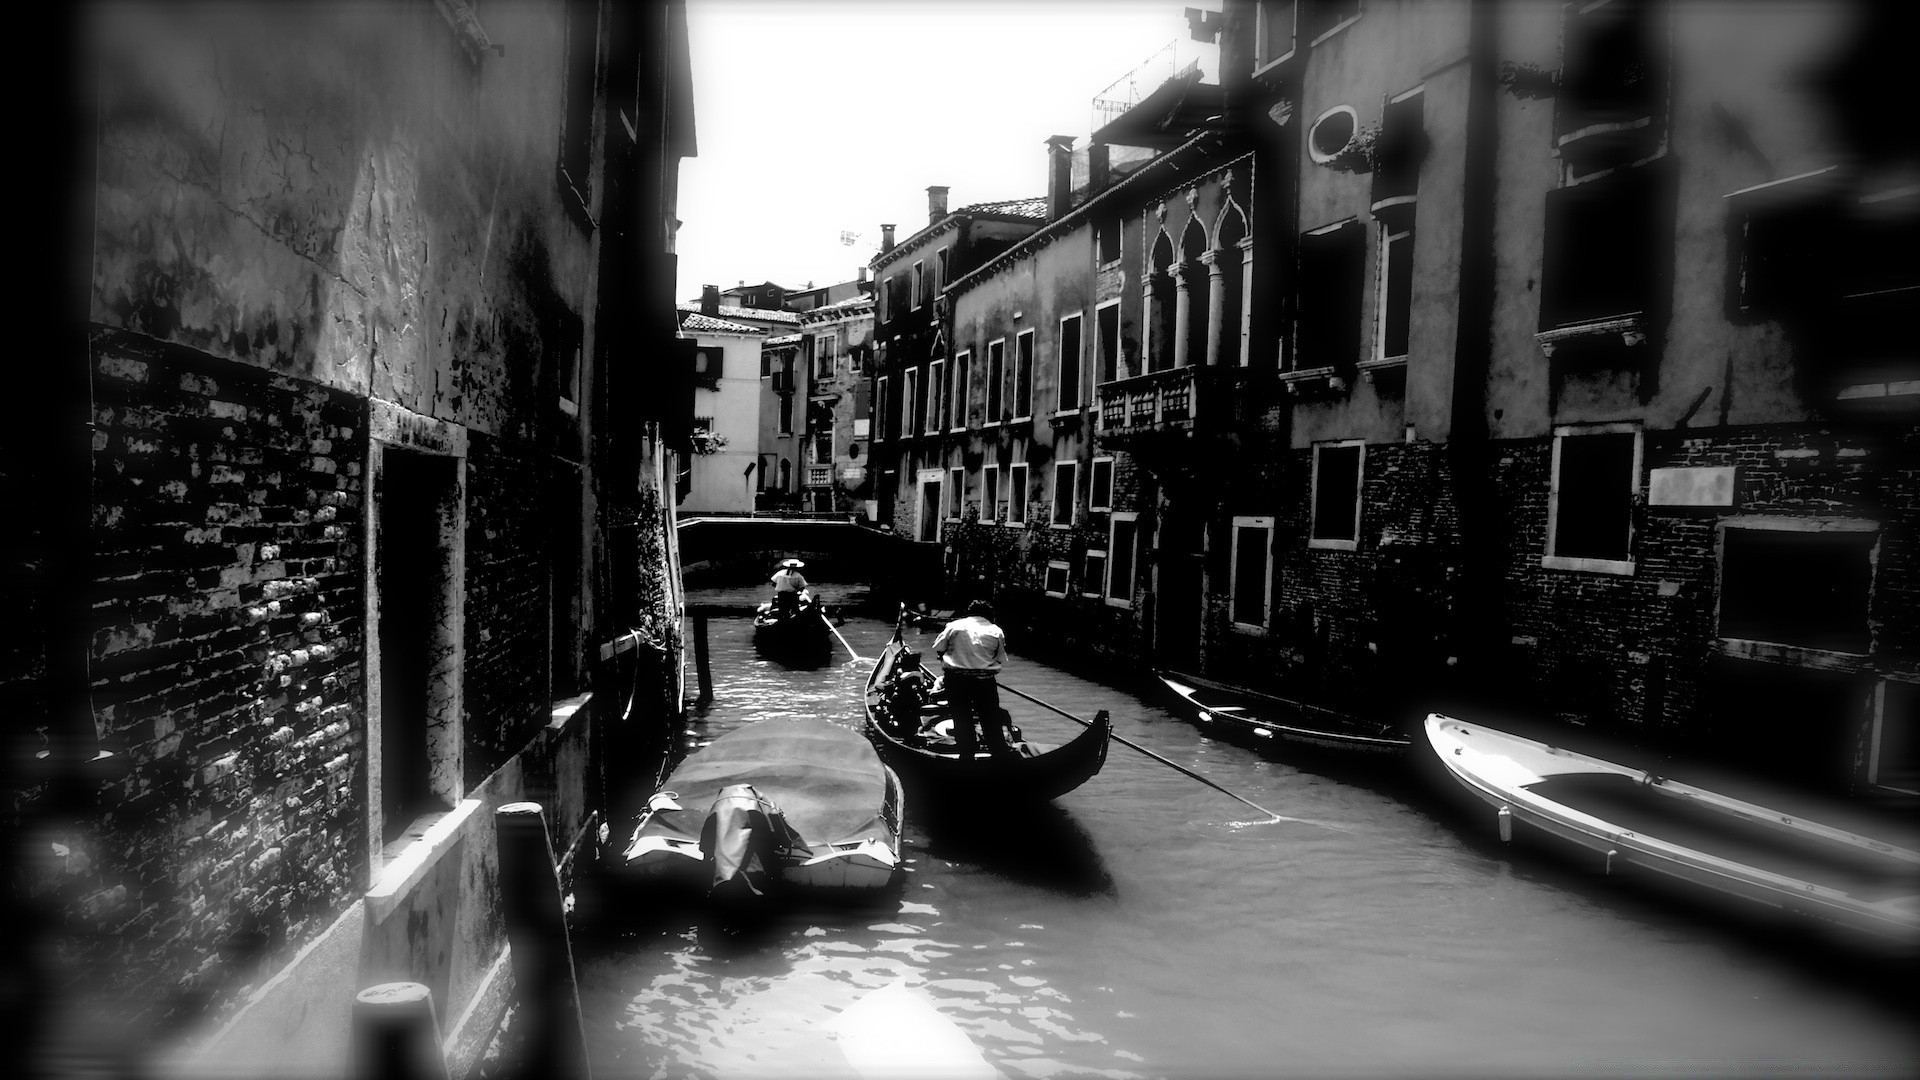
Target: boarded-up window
x,y
1121,537
1594,480
1810,589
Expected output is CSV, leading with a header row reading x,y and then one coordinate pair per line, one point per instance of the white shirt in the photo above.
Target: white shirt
x,y
788,581
971,644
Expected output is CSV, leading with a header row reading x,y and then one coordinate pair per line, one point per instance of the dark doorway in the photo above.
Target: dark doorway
x,y
410,489
1177,593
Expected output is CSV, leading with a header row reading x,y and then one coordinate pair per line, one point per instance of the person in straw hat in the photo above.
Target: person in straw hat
x,y
787,584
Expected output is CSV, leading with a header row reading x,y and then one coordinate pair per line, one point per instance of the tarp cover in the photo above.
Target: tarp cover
x,y
826,779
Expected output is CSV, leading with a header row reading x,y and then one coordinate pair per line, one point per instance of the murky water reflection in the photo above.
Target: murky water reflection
x,y
1143,927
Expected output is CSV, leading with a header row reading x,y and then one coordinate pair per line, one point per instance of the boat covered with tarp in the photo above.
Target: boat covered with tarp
x,y
800,804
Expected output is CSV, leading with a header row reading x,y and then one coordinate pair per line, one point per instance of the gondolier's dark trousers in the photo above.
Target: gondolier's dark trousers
x,y
975,697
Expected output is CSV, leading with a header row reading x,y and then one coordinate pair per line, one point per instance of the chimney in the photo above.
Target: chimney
x,y
886,239
936,204
1099,168
1059,176
709,299
863,275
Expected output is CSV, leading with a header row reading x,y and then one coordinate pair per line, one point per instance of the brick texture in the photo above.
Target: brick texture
x,y
507,628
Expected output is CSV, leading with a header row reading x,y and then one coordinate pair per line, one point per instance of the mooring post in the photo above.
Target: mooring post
x,y
555,1042
700,665
396,1035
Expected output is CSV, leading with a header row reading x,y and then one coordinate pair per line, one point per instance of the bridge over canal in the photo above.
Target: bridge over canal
x,y
717,549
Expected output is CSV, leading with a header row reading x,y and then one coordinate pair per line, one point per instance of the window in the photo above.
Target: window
x,y
1122,534
1023,376
708,365
996,372
1107,330
1106,238
1611,105
1807,582
910,400
919,284
1894,761
1318,18
1066,490
1252,571
1601,259
1070,363
576,130
1017,494
930,506
956,494
1332,272
1056,583
940,273
1402,143
750,300
1336,495
829,347
960,403
1100,490
1596,474
938,400
990,494
766,362
1273,39
1396,294
880,403
783,386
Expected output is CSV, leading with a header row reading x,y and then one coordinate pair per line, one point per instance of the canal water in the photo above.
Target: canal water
x,y
1147,926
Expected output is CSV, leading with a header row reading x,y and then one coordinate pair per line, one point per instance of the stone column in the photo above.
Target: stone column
x,y
1216,307
1182,313
1149,346
1245,354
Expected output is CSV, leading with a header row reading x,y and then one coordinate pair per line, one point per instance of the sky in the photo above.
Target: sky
x,y
818,117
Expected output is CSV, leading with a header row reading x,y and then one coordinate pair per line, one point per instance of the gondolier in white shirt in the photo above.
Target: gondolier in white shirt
x,y
972,650
788,584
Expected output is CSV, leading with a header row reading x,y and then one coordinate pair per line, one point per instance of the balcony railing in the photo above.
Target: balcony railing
x,y
819,476
1154,401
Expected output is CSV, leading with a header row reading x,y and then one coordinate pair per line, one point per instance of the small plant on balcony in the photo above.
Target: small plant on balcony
x,y
1528,82
707,442
1358,154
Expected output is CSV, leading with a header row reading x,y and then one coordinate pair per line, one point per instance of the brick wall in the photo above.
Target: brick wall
x,y
507,622
227,663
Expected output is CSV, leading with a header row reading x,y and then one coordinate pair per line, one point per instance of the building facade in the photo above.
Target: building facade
x,y
375,483
1477,356
836,353
720,475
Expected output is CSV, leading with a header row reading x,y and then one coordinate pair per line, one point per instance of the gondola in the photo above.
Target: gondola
x,y
1630,818
799,632
901,705
774,806
1225,709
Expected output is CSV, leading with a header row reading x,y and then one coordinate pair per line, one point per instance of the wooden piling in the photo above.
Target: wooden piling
x,y
396,1035
700,665
551,1033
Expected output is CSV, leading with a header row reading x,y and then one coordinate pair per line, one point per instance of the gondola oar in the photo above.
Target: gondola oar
x,y
835,631
1130,744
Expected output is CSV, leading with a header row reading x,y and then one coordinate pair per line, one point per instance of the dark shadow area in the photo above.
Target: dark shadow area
x,y
1043,846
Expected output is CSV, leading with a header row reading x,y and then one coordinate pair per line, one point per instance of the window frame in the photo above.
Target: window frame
x,y
1263,522
1018,481
1066,578
962,361
1877,733
1061,408
1119,517
1619,567
957,497
995,384
1389,235
935,421
1807,655
1093,473
919,280
1100,343
909,398
1314,540
990,494
1022,374
1072,495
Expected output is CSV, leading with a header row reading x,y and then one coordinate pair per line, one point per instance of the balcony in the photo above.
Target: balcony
x,y
819,476
1159,401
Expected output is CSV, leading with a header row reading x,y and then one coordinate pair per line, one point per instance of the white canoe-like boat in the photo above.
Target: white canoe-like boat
x,y
803,804
1636,818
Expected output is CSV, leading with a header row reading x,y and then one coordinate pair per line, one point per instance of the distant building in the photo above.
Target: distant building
x,y
721,473
783,402
837,352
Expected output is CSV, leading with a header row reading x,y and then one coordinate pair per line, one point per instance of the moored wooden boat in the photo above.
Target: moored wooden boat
x,y
1633,818
931,766
802,804
1228,709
